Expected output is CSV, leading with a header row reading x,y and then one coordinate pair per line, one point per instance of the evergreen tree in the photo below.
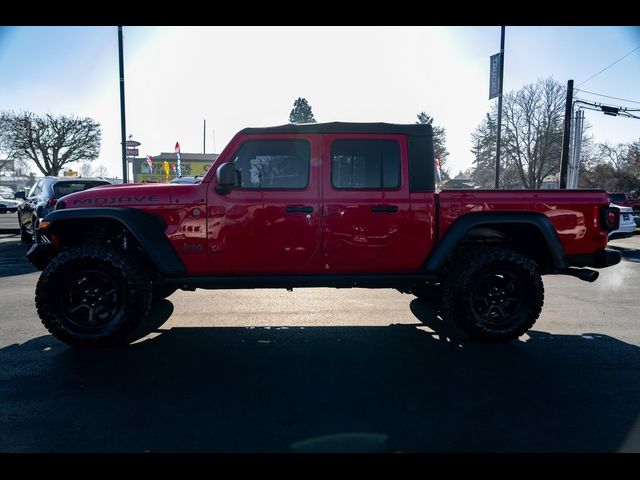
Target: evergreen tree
x,y
301,112
439,140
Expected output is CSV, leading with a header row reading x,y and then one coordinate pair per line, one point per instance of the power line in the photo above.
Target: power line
x,y
622,58
607,96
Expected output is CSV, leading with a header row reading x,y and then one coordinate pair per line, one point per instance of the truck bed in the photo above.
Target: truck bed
x,y
574,213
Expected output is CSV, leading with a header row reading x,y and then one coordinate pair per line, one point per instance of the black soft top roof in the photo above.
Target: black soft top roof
x,y
412,129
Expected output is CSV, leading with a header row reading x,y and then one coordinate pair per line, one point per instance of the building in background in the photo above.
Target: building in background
x,y
192,164
550,182
15,180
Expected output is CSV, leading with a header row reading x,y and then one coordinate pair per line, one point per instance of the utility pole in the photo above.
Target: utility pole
x,y
497,182
122,113
204,137
214,140
564,159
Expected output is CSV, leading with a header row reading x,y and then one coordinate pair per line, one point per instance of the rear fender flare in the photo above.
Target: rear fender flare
x,y
438,257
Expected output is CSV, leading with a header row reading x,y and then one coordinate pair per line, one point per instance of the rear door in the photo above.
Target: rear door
x,y
366,203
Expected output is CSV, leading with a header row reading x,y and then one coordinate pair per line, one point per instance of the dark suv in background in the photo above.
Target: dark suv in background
x,y
43,196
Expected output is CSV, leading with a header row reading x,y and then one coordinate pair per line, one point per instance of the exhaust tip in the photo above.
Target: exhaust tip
x,y
588,275
582,273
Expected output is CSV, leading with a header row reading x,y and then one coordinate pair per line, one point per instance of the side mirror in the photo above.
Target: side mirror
x,y
226,178
20,194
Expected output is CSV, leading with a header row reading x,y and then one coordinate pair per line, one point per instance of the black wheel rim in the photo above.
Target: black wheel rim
x,y
497,298
91,298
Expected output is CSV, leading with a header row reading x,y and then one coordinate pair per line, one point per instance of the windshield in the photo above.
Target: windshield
x,y
61,189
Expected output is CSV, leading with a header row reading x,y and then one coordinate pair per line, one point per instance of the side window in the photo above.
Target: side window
x,y
273,164
36,190
365,164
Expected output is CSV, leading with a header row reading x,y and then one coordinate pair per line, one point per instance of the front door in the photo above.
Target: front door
x,y
366,203
270,221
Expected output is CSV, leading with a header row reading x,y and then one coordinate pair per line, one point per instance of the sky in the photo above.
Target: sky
x,y
237,77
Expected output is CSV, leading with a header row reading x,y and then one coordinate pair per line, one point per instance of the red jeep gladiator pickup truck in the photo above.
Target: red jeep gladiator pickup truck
x,y
320,205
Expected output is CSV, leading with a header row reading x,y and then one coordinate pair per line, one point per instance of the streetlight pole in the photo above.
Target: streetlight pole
x,y
497,180
123,125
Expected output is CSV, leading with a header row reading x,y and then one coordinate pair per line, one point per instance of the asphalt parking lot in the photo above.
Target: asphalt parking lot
x,y
325,369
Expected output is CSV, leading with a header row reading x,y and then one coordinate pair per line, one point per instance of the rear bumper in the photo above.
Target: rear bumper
x,y
600,259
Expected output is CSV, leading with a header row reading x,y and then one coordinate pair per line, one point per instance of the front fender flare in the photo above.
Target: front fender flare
x,y
146,229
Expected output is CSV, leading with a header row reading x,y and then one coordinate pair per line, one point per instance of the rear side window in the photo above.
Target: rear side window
x,y
365,164
61,189
273,164
617,197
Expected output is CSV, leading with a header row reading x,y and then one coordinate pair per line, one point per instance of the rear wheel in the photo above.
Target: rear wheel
x,y
493,294
92,296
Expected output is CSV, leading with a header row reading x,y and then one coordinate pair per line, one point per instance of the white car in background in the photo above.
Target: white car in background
x,y
627,223
8,205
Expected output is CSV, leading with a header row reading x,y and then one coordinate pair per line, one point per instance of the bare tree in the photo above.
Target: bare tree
x,y
533,129
531,135
616,154
615,168
101,171
86,170
50,142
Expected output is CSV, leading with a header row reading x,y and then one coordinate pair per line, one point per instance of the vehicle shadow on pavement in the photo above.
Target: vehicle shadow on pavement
x,y
13,259
393,388
630,254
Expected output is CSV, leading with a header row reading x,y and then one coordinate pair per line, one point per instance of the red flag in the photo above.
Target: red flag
x,y
149,162
438,169
177,147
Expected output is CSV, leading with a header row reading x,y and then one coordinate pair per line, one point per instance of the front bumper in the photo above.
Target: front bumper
x,y
600,259
40,255
41,252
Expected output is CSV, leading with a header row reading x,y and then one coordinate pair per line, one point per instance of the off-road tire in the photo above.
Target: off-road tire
x,y
493,294
93,296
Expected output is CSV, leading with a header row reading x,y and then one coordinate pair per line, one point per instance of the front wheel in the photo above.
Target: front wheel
x,y
93,296
493,294
25,236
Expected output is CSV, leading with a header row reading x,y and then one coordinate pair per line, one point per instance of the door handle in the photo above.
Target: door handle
x,y
298,209
384,208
